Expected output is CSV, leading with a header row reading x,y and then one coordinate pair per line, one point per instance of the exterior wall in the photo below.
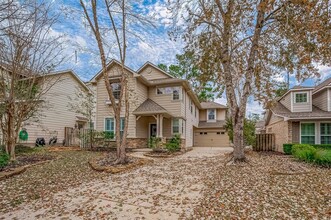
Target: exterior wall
x,y
151,73
320,100
135,98
329,99
286,101
281,130
220,115
192,120
295,132
56,116
302,107
165,100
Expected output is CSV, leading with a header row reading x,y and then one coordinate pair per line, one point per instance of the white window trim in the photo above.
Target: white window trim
x,y
316,130
208,117
181,128
319,127
295,101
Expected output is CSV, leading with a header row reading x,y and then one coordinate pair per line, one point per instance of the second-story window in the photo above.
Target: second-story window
x,y
176,93
191,106
116,87
211,113
301,97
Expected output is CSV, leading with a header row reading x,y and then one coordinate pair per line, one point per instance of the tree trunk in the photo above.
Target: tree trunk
x,y
238,139
11,136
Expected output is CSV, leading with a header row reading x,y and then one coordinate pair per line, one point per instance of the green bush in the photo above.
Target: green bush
x,y
287,148
174,143
304,152
154,142
4,159
323,146
108,135
323,157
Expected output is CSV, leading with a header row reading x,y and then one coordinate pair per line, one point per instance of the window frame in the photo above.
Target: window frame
x,y
122,121
300,93
313,123
117,92
325,135
173,125
211,120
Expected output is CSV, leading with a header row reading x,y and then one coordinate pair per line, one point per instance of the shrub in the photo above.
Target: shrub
x,y
323,157
287,148
4,159
108,135
154,142
174,143
323,146
304,152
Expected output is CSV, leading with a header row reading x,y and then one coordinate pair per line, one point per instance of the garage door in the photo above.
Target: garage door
x,y
207,138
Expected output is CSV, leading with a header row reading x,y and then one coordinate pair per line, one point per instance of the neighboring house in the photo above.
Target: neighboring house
x,y
160,106
302,115
56,115
260,127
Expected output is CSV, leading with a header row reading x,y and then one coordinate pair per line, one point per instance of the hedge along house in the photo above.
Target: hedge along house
x,y
160,106
302,115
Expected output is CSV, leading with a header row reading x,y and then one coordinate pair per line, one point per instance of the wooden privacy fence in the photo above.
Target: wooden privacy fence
x,y
264,142
71,136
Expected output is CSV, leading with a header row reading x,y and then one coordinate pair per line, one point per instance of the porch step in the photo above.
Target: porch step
x,y
141,150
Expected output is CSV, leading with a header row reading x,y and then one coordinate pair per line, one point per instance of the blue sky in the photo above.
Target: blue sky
x,y
154,46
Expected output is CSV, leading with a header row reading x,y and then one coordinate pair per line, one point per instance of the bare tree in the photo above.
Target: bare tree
x,y
29,51
243,44
115,10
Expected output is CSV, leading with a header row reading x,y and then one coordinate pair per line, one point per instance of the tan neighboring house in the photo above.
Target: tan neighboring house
x,y
302,115
56,115
160,106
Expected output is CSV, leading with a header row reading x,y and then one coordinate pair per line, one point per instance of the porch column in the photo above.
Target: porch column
x,y
161,126
157,125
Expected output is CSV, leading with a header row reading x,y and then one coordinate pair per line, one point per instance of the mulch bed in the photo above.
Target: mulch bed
x,y
106,163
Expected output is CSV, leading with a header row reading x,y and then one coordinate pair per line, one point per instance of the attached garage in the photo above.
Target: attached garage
x,y
211,138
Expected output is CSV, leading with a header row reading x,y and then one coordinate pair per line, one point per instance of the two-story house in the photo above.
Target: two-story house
x,y
302,115
160,106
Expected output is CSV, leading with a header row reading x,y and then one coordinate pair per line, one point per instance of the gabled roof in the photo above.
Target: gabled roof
x,y
154,66
111,63
149,107
72,73
208,105
280,110
295,89
326,83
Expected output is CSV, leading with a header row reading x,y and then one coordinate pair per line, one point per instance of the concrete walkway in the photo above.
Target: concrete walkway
x,y
167,189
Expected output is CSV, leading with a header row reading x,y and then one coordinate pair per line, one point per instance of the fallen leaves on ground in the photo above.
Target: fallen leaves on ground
x,y
38,182
255,191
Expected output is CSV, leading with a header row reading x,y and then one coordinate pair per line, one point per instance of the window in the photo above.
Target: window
x,y
218,132
211,115
191,106
195,112
301,97
307,133
122,121
176,93
325,133
109,124
175,126
91,125
116,87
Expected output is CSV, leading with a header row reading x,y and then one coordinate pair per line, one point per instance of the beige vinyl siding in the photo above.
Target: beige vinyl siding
x,y
220,114
329,99
286,101
165,100
56,116
190,123
302,107
320,100
151,73
105,110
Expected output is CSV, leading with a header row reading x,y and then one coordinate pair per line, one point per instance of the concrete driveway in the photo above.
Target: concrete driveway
x,y
167,189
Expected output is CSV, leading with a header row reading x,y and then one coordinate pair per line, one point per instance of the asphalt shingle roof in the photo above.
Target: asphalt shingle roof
x,y
206,105
149,106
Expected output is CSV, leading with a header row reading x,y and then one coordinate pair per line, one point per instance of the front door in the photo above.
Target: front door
x,y
152,130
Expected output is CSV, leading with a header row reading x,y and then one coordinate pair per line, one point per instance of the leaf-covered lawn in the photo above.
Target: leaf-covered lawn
x,y
69,170
263,190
